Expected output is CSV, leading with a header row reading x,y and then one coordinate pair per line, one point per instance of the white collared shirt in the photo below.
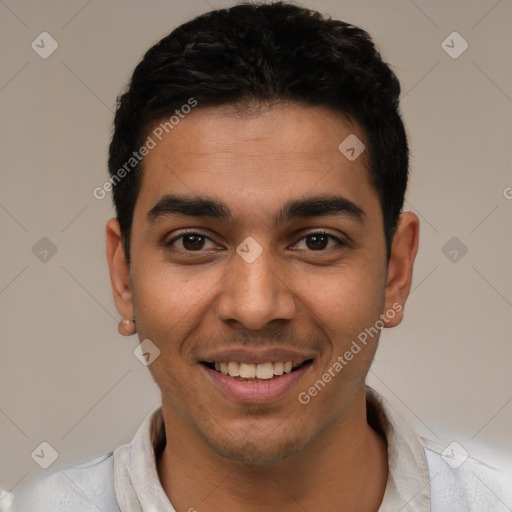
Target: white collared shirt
x,y
420,478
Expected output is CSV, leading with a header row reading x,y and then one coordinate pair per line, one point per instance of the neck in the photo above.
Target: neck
x,y
345,468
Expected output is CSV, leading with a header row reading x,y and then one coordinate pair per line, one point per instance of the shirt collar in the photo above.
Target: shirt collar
x,y
408,486
138,487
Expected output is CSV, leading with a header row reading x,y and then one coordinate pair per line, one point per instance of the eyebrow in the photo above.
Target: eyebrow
x,y
198,206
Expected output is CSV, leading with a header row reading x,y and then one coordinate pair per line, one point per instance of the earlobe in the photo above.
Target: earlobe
x,y
400,267
127,327
119,270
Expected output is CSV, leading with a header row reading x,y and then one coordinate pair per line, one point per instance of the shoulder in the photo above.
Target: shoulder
x,y
81,488
457,479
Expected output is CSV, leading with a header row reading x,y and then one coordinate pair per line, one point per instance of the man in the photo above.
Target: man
x,y
258,166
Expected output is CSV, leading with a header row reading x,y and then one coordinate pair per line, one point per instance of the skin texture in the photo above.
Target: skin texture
x,y
282,455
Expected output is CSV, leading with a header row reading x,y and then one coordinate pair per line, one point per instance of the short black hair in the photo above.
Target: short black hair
x,y
264,53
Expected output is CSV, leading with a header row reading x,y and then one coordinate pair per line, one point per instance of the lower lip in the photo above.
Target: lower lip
x,y
256,392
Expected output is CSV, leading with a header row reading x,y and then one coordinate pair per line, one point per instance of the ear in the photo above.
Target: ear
x,y
401,262
119,270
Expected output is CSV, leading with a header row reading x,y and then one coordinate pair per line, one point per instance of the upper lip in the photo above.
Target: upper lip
x,y
257,355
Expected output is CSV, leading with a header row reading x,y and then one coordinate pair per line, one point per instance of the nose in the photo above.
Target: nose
x,y
254,294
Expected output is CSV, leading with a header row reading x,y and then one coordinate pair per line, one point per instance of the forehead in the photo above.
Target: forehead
x,y
255,159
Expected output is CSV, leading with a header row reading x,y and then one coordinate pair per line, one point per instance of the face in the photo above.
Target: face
x,y
258,258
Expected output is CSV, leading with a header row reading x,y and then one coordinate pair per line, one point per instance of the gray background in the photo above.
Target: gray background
x,y
68,378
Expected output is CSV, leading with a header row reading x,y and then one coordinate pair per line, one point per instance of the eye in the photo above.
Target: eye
x,y
190,241
193,241
319,241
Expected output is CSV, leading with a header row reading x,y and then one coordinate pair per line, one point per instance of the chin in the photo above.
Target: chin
x,y
256,449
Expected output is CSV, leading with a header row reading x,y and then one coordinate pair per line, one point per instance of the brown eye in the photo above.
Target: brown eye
x,y
189,242
320,241
193,242
317,242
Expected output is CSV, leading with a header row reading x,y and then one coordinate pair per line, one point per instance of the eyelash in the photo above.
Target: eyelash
x,y
339,242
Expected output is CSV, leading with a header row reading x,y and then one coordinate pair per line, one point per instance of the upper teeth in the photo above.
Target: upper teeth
x,y
258,371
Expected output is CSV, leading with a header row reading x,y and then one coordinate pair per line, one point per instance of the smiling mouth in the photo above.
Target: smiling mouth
x,y
249,372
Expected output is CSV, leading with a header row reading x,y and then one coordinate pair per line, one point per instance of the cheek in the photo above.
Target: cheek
x,y
172,302
169,300
346,300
